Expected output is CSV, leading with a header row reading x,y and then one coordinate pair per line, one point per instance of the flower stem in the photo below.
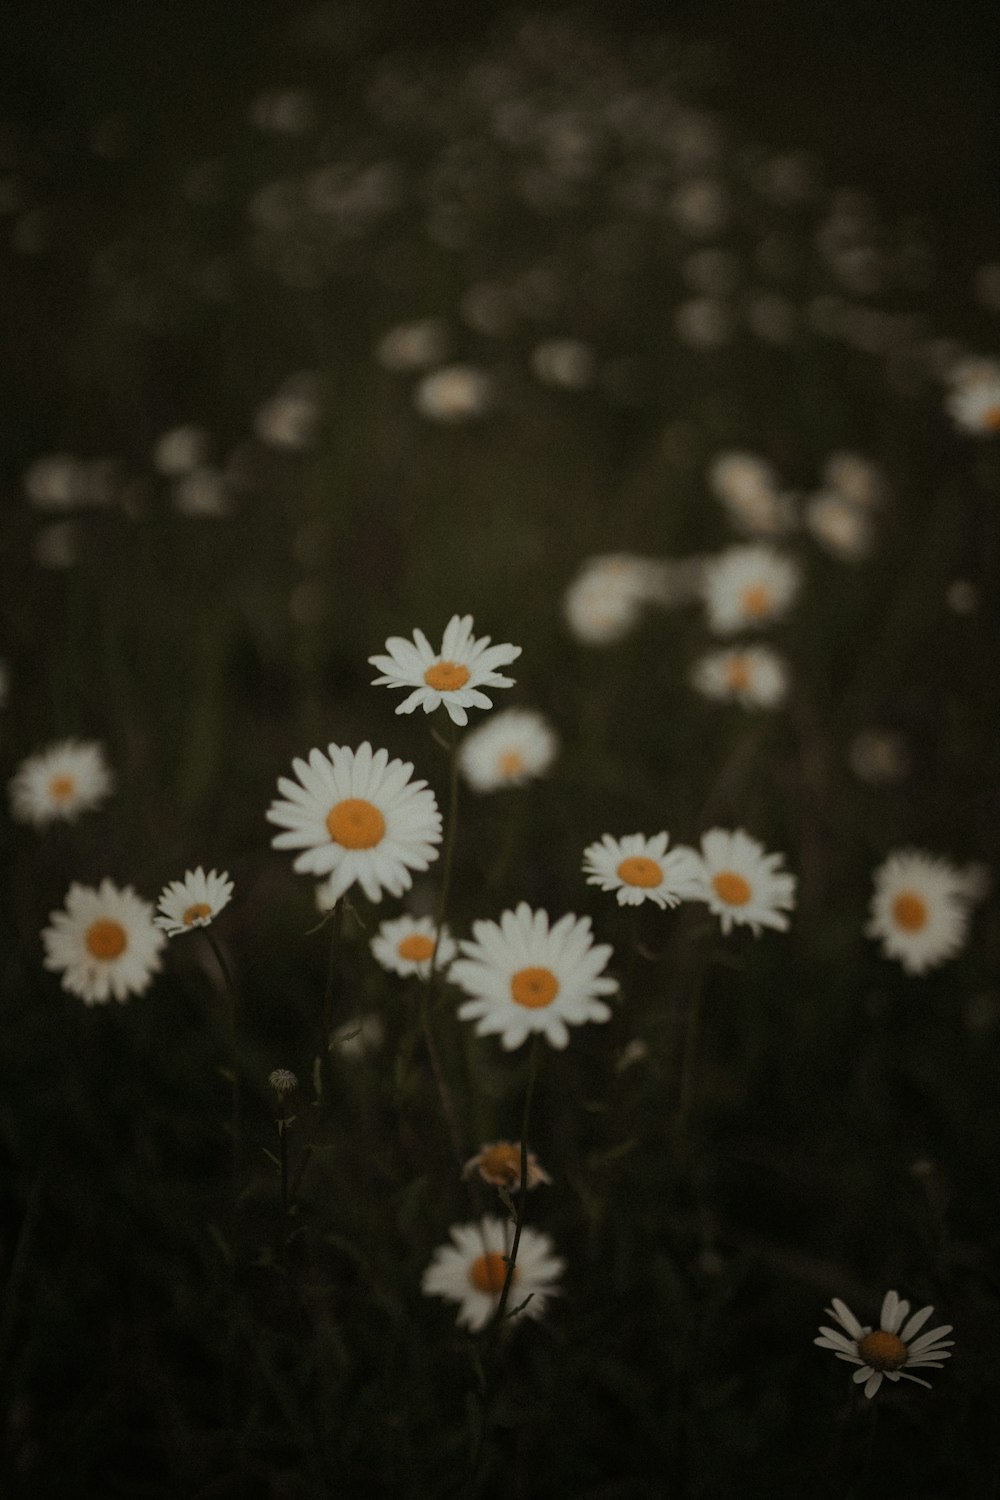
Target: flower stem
x,y
688,1065
430,991
229,984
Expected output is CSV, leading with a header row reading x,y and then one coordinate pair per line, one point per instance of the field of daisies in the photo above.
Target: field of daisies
x,y
498,656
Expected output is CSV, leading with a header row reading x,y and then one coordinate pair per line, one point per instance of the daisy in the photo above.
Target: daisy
x,y
855,478
405,946
747,587
194,901
68,778
104,942
454,393
603,602
413,346
472,1269
499,1164
180,450
525,977
919,910
753,676
891,1350
748,488
974,401
639,869
356,816
454,676
510,748
742,884
842,528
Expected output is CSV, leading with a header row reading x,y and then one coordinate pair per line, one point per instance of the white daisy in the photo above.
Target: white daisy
x,y
742,884
455,393
974,400
919,910
194,901
890,1351
747,587
509,748
526,978
753,676
454,676
357,816
638,869
748,488
499,1165
841,527
405,945
63,781
472,1269
180,450
104,942
413,346
604,600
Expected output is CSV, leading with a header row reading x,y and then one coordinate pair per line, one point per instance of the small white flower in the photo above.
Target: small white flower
x,y
527,978
748,488
974,399
567,363
499,1165
180,450
754,676
747,587
638,868
289,419
455,393
56,482
510,748
920,909
454,676
742,884
413,346
840,526
194,901
405,945
854,477
891,1351
63,781
355,815
604,601
472,1269
202,492
104,942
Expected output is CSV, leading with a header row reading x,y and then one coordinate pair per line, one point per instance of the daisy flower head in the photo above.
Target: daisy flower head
x,y
747,587
753,676
104,943
893,1349
840,526
471,1271
742,884
510,748
525,977
356,816
499,1165
61,782
638,868
454,676
974,399
604,600
919,909
747,486
455,393
405,946
194,901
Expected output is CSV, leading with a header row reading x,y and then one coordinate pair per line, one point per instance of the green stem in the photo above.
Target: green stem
x,y
229,985
449,846
689,1065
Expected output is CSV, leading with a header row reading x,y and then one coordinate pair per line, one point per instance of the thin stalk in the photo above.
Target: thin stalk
x,y
430,992
689,1065
229,985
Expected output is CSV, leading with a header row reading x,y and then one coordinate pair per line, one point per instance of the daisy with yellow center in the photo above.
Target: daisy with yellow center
x,y
742,884
752,676
453,676
638,868
356,816
499,1165
747,587
61,782
510,748
470,1271
405,946
890,1352
920,909
525,977
193,902
104,943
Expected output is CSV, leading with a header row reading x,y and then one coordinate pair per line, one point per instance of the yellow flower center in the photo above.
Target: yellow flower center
x,y
446,676
756,600
534,988
510,763
881,1350
489,1272
416,947
731,888
193,913
501,1163
737,674
61,788
909,911
638,869
355,824
106,939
